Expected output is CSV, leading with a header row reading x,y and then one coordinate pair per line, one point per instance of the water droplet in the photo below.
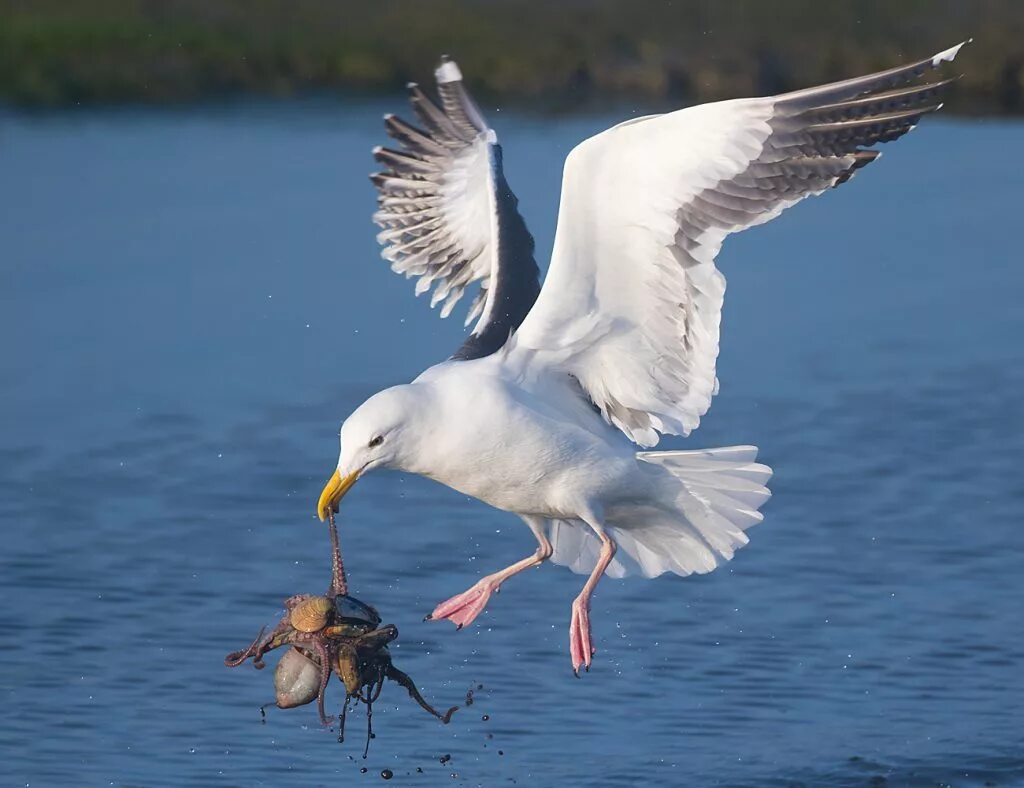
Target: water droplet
x,y
363,770
486,717
387,774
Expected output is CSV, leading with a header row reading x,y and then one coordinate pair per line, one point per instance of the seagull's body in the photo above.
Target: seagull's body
x,y
553,453
540,411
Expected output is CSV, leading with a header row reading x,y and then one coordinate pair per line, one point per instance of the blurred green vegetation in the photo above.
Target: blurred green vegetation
x,y
558,54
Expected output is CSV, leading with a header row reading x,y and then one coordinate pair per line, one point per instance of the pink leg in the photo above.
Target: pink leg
x,y
463,608
581,650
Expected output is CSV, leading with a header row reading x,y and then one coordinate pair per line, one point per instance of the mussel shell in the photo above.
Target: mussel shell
x,y
296,679
351,611
347,666
311,614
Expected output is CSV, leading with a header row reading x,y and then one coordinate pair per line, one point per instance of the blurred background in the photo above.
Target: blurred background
x,y
62,52
192,299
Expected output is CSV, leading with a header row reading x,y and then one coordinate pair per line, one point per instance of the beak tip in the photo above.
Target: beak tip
x,y
333,492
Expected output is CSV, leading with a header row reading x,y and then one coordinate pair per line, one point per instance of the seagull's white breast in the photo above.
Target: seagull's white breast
x,y
544,453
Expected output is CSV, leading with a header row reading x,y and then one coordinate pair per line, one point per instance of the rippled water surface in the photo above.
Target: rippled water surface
x,y
192,301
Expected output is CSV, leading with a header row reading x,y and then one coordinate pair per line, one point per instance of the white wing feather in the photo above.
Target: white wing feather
x,y
632,301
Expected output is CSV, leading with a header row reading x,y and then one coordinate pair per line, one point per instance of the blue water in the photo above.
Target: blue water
x,y
190,303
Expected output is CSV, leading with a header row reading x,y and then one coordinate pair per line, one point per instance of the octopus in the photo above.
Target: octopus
x,y
331,633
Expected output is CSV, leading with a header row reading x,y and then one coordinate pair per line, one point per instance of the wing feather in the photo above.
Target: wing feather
x,y
631,306
448,217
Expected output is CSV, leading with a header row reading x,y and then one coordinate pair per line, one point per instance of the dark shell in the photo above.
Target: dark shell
x,y
351,611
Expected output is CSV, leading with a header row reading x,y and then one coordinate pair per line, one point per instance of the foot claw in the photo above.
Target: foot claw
x,y
580,648
462,609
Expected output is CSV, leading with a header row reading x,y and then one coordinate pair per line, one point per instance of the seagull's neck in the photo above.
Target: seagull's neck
x,y
422,442
434,434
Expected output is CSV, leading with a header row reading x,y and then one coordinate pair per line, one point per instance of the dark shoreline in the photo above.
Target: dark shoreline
x,y
563,57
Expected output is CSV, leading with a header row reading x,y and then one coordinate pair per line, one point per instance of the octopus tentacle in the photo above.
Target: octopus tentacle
x,y
398,676
339,582
236,658
373,690
344,716
325,675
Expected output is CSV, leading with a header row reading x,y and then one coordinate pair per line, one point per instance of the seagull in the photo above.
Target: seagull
x,y
552,403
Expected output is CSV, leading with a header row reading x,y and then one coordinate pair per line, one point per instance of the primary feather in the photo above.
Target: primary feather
x,y
449,218
632,301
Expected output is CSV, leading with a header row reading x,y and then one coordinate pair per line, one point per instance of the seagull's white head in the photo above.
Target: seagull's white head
x,y
376,435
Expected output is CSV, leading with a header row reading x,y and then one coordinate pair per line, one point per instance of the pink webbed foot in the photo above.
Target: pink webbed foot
x,y
463,608
581,650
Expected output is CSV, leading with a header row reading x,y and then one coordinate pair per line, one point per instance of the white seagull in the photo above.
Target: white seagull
x,y
541,410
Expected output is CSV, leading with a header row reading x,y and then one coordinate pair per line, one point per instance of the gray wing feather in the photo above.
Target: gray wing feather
x,y
818,139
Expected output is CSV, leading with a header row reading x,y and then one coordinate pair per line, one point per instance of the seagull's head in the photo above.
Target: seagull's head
x,y
376,435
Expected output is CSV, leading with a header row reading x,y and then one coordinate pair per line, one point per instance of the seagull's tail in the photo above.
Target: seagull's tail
x,y
708,499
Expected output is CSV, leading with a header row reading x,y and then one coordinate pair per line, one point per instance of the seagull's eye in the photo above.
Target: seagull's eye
x,y
376,442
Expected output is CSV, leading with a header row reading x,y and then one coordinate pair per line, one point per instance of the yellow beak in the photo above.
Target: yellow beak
x,y
334,491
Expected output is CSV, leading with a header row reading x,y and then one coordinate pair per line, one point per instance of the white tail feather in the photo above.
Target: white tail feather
x,y
711,496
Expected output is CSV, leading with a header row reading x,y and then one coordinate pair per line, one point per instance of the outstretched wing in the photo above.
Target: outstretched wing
x,y
449,218
632,301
